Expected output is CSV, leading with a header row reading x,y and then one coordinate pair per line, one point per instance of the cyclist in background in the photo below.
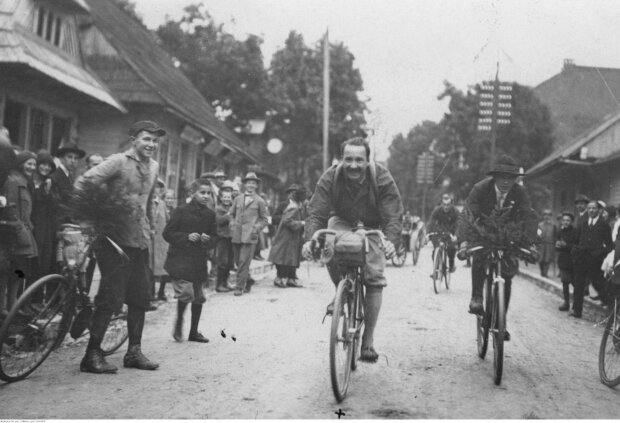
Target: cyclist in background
x,y
407,223
353,191
498,191
444,220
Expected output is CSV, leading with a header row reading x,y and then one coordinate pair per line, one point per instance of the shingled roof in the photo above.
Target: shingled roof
x,y
580,98
139,49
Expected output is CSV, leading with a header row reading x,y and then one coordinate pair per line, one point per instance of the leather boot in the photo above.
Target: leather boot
x,y
194,335
222,286
94,362
136,360
178,325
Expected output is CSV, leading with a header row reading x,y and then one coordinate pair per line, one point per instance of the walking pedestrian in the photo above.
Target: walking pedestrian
x,y
190,232
249,213
588,255
225,256
547,232
567,238
285,252
134,173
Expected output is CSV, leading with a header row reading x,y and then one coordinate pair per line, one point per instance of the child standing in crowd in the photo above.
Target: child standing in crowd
x,y
225,256
191,231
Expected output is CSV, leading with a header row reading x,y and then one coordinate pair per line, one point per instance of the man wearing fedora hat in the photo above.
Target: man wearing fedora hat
x,y
125,281
499,190
249,217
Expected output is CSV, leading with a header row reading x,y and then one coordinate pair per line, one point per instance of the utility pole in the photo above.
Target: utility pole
x,y
326,100
494,108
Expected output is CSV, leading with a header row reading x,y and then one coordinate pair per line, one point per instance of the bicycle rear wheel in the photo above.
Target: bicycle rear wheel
x,y
341,340
499,326
117,332
609,351
36,325
482,322
437,270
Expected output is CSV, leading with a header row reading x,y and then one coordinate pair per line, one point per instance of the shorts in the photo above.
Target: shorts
x,y
188,292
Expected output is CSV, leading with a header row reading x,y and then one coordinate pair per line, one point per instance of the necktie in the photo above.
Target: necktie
x,y
502,197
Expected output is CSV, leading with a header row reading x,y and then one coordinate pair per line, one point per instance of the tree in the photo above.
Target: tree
x,y
228,72
129,7
295,97
528,138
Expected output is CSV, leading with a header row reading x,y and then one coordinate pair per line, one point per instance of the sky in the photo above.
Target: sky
x,y
405,50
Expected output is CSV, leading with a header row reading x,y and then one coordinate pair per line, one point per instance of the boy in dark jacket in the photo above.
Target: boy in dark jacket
x,y
567,239
191,231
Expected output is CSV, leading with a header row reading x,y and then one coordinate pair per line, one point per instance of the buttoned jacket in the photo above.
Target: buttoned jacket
x,y
248,219
136,178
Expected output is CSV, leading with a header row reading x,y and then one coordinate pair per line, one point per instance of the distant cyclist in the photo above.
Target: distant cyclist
x,y
444,221
407,223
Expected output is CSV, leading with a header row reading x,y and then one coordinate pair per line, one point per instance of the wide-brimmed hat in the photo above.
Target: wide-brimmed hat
x,y
251,176
148,126
292,188
581,198
506,165
219,174
44,157
207,175
228,185
70,147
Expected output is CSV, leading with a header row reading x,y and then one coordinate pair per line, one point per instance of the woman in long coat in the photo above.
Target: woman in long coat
x,y
285,252
44,213
160,220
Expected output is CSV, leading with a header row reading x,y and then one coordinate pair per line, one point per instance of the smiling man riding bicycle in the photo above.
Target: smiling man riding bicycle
x,y
500,192
358,191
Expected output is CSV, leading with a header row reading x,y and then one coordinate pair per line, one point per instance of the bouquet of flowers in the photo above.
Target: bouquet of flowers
x,y
105,209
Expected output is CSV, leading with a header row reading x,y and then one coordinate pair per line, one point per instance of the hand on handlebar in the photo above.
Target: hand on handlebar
x,y
462,253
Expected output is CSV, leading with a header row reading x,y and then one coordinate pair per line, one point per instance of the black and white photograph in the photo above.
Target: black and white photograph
x,y
309,209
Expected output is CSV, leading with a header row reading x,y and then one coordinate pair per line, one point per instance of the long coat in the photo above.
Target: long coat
x,y
548,235
160,219
45,221
286,248
19,194
188,260
248,220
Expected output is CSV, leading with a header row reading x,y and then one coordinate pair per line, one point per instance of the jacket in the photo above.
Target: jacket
x,y
18,194
247,220
125,171
286,246
482,199
570,236
595,241
223,220
382,210
188,260
443,221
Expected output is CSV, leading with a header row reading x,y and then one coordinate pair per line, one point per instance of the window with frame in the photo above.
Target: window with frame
x,y
49,25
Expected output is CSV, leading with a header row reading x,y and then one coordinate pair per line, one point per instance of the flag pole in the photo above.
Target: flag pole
x,y
326,100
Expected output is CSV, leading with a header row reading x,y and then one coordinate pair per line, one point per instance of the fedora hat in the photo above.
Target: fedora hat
x,y
219,174
251,176
506,165
70,147
581,198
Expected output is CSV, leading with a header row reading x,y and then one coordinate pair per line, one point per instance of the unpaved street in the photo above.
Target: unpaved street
x,y
278,366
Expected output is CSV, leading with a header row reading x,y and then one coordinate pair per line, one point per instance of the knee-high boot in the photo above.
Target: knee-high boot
x,y
194,335
134,357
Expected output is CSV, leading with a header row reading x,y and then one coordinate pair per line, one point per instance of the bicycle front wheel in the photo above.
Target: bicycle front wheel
x,y
437,263
341,339
35,326
399,258
117,332
482,322
446,271
499,320
358,312
609,352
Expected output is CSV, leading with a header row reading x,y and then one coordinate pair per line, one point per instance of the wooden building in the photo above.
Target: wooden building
x,y
85,70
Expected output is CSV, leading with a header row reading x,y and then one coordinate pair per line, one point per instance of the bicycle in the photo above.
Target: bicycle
x,y
399,258
348,314
441,270
493,318
609,351
52,306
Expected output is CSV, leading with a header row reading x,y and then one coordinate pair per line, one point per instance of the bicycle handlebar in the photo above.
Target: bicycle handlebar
x,y
526,254
366,233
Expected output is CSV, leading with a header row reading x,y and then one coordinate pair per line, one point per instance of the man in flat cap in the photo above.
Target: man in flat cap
x,y
135,172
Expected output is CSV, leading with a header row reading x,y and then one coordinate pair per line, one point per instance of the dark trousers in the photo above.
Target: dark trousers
x,y
544,268
587,267
286,271
478,276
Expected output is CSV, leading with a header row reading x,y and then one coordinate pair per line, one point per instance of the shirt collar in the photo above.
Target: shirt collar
x,y
593,220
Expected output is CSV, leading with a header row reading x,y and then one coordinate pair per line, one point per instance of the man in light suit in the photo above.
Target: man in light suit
x,y
249,214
